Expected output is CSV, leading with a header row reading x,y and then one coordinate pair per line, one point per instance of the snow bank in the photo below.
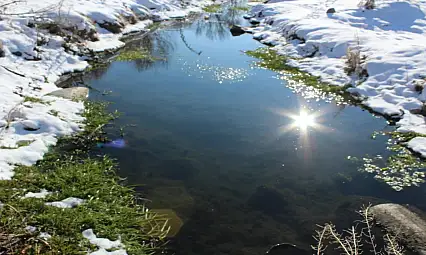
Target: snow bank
x,y
33,56
391,36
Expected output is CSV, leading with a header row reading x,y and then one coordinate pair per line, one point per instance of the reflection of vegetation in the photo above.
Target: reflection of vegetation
x,y
149,50
214,8
182,36
273,61
403,169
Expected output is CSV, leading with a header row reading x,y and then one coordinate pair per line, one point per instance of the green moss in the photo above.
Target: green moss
x,y
214,8
131,55
401,169
35,100
154,26
240,8
110,208
278,63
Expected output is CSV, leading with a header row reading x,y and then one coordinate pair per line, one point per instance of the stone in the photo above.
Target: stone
x,y
268,200
112,27
17,53
73,93
70,202
30,125
331,10
236,30
254,21
2,53
400,221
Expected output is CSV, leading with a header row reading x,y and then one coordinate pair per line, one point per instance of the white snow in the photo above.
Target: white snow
x,y
104,244
391,36
42,194
34,59
70,202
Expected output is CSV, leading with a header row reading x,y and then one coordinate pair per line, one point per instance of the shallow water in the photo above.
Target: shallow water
x,y
211,137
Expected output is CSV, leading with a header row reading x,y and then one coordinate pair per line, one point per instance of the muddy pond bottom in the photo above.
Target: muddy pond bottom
x,y
240,158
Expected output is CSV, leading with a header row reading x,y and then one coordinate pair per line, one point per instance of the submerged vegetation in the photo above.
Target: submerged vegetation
x,y
131,55
30,226
214,8
299,81
400,170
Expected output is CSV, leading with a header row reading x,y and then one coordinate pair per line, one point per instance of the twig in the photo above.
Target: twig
x,y
14,72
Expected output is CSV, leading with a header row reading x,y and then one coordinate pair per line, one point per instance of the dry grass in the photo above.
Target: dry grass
x,y
356,240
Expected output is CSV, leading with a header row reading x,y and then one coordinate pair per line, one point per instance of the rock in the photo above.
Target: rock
x,y
404,223
286,248
3,123
268,200
2,53
331,10
112,27
30,125
73,93
236,30
17,53
254,22
206,17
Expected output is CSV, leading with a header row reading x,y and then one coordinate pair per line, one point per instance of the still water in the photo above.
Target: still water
x,y
243,160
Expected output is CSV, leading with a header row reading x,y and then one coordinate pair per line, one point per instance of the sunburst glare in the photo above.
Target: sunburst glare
x,y
303,120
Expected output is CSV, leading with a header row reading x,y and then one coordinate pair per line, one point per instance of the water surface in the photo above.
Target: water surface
x,y
211,137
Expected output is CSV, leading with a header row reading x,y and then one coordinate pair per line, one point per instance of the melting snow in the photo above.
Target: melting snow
x,y
42,194
104,244
391,36
70,202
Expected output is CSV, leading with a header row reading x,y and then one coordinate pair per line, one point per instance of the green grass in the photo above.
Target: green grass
x,y
214,8
154,26
131,55
34,100
240,8
111,209
278,63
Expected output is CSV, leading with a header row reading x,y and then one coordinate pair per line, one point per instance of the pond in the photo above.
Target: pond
x,y
243,160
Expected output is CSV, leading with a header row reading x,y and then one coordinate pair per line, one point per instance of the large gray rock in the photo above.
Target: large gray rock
x,y
73,93
404,223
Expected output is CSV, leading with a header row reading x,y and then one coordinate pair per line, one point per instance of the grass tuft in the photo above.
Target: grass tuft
x,y
240,8
34,100
111,209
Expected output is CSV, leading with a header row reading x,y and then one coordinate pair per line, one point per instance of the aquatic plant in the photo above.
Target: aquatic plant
x,y
213,8
130,55
355,240
110,208
297,80
400,170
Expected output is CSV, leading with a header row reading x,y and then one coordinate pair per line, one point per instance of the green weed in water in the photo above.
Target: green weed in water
x,y
131,55
296,78
110,209
400,170
214,8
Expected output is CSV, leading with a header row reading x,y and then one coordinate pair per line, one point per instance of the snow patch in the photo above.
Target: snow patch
x,y
70,202
104,244
42,194
418,144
